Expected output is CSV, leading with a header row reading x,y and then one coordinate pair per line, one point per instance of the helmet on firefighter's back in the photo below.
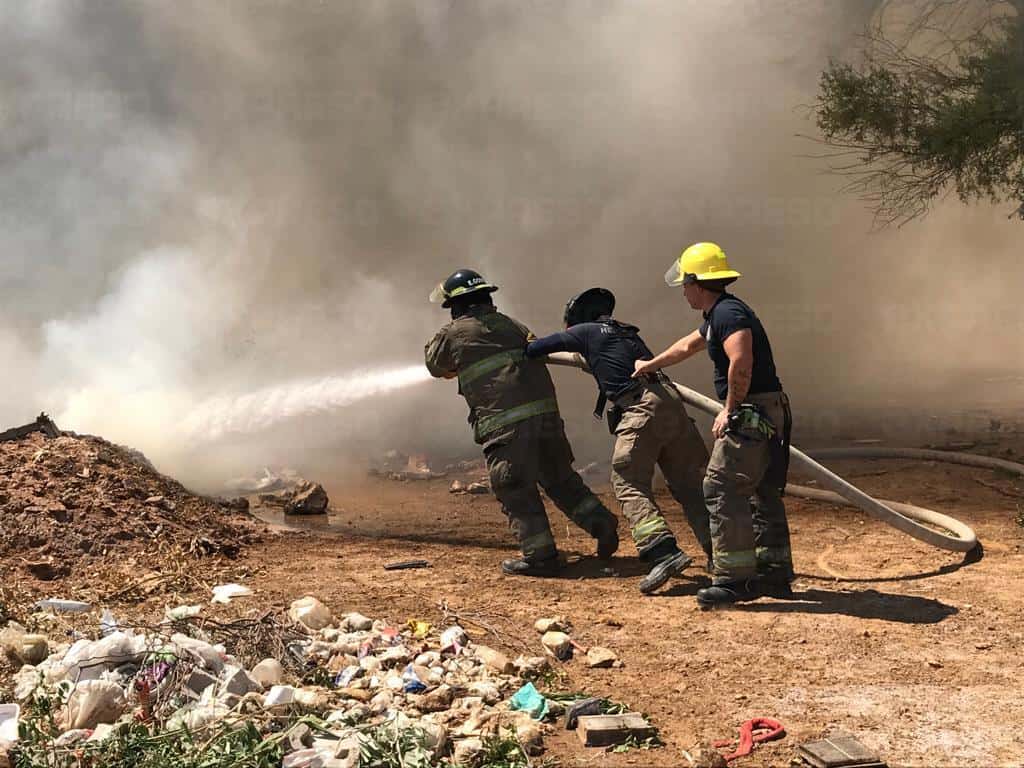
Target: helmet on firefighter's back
x,y
701,261
588,306
461,282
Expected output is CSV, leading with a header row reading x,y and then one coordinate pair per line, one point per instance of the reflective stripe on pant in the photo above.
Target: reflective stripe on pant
x,y
536,451
749,530
655,429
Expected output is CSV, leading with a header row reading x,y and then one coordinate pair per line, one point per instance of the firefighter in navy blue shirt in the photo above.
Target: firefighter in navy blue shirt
x,y
650,425
746,475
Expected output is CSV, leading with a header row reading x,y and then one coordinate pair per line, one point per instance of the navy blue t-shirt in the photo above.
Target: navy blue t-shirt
x,y
727,316
610,349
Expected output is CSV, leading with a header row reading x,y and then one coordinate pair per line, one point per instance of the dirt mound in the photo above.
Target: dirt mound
x,y
68,502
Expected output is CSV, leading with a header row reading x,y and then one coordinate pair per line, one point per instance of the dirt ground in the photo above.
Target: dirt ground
x,y
913,650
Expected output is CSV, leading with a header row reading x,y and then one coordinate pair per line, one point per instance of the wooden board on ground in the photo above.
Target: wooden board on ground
x,y
839,752
607,730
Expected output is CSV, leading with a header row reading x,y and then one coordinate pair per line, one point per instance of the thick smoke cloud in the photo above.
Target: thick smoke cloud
x,y
204,199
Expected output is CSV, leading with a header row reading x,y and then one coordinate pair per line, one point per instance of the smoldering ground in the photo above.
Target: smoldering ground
x,y
204,201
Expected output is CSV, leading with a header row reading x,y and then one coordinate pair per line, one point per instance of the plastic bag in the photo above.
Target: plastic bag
x,y
93,702
529,700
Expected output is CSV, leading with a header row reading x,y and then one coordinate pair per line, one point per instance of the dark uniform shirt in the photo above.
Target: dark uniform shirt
x,y
610,349
727,316
486,349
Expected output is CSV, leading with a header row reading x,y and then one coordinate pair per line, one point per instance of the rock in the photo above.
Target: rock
x,y
428,659
58,512
299,737
92,702
703,756
528,733
268,672
495,660
310,612
381,702
198,681
456,487
356,622
32,649
531,667
395,655
557,644
370,664
599,657
552,624
436,700
347,752
238,682
486,690
47,570
311,500
478,488
466,751
435,737
358,694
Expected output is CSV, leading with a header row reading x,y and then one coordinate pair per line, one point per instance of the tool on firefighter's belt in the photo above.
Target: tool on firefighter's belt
x,y
614,417
778,452
749,416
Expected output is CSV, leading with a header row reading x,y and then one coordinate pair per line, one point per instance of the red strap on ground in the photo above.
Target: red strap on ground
x,y
753,732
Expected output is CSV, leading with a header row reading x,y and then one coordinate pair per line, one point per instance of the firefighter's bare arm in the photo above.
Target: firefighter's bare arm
x,y
686,347
739,346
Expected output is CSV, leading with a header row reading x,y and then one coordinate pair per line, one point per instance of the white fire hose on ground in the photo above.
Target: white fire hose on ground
x,y
922,524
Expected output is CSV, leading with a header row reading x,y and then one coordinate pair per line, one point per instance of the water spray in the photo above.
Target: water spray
x,y
259,410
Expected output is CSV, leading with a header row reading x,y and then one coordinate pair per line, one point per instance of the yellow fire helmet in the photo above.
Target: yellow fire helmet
x,y
701,261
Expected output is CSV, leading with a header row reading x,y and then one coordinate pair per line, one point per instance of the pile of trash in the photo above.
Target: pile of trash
x,y
284,488
395,465
305,690
68,501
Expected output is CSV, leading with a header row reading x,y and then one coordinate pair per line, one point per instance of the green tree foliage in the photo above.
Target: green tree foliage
x,y
937,112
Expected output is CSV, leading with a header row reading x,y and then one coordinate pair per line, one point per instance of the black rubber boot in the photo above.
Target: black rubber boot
x,y
607,541
729,592
524,567
777,585
663,570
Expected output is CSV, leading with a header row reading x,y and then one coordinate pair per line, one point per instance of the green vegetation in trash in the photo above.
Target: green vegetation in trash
x,y
651,742
387,746
137,745
502,752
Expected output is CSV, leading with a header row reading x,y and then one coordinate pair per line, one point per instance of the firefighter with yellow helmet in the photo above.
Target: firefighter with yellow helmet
x,y
746,473
515,418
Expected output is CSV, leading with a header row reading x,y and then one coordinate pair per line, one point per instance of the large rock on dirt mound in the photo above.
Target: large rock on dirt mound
x,y
311,500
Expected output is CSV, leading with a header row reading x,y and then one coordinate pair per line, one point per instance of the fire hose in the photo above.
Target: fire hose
x,y
925,525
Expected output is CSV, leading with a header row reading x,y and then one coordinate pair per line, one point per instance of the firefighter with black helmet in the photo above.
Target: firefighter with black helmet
x,y
651,427
515,418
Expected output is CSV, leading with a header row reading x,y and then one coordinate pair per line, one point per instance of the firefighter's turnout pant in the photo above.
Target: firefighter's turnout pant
x,y
749,530
655,429
536,451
